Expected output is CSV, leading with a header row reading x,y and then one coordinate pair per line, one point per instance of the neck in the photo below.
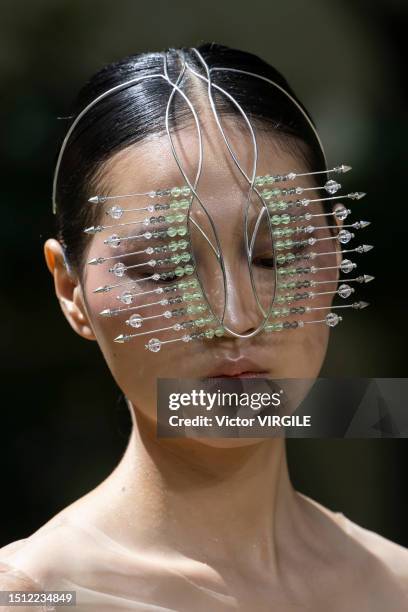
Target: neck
x,y
204,501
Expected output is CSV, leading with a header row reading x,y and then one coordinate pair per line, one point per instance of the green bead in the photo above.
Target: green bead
x,y
170,218
172,246
290,257
285,312
184,204
171,231
275,312
282,205
199,322
182,231
179,271
278,233
179,217
193,283
176,191
219,332
174,205
189,269
271,327
285,219
192,309
175,259
185,257
276,192
182,244
185,190
275,219
281,259
266,194
183,285
209,333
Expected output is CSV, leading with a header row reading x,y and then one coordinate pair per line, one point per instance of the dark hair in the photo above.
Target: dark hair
x,y
136,112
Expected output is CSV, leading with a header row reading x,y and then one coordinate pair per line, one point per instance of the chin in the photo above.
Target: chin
x,y
228,442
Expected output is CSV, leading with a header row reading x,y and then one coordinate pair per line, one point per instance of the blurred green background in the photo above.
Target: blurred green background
x,y
64,424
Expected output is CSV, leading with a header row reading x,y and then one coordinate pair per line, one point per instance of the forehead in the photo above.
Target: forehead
x,y
151,164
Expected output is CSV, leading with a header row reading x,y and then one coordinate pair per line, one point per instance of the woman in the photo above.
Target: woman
x,y
187,523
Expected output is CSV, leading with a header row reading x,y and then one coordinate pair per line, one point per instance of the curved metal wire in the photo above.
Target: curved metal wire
x,y
78,118
251,190
193,188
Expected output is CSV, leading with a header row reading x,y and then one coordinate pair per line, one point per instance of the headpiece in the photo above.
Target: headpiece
x,y
180,308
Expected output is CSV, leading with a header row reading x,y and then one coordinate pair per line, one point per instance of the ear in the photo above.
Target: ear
x,y
68,290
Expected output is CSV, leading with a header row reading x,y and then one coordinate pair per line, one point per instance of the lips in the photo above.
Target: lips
x,y
238,368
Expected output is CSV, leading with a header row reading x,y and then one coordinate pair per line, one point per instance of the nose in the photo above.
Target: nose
x,y
242,314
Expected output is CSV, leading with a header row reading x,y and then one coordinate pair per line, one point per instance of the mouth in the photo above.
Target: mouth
x,y
242,375
239,368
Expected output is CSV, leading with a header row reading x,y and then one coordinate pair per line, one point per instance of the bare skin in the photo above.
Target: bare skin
x,y
188,524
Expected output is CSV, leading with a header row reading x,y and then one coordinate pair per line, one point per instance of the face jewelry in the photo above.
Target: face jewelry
x,y
172,286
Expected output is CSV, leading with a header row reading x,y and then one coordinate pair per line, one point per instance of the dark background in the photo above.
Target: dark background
x,y
64,424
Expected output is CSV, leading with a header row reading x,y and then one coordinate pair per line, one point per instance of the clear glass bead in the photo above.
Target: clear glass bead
x,y
332,319
341,212
167,314
126,297
344,236
154,345
119,269
113,241
332,187
115,212
136,320
346,266
344,291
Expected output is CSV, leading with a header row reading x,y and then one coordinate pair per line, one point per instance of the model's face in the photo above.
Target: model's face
x,y
150,166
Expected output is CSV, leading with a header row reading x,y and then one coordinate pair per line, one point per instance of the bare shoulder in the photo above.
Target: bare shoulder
x,y
12,579
370,558
44,556
391,555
